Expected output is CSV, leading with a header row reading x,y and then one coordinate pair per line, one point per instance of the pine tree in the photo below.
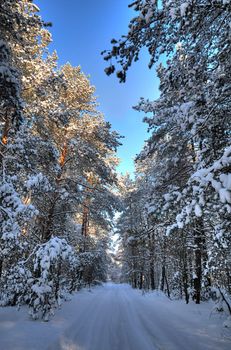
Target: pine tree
x,y
186,160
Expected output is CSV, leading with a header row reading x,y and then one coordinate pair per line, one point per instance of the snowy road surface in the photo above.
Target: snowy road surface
x,y
116,317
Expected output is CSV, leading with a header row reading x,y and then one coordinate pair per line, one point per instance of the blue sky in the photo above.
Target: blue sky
x,y
81,30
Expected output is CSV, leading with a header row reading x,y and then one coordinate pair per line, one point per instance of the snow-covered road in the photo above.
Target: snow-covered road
x,y
116,317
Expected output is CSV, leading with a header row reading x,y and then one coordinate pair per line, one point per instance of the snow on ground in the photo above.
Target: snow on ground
x,y
116,317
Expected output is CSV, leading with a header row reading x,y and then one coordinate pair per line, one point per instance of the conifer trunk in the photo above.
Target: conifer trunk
x,y
198,240
152,277
1,267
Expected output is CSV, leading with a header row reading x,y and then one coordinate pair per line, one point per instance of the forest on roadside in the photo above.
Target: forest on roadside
x,y
59,188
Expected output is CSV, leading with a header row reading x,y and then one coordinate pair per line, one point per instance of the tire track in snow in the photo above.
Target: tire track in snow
x,y
116,317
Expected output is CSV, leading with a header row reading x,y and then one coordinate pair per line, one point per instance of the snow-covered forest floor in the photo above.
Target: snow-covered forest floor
x,y
117,317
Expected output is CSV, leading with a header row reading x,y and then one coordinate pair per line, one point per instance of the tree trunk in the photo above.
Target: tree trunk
x,y
167,285
1,267
84,228
185,270
152,277
134,281
47,232
162,278
198,234
151,241
141,281
185,282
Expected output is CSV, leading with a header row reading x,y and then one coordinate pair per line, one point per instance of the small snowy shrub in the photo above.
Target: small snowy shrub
x,y
51,263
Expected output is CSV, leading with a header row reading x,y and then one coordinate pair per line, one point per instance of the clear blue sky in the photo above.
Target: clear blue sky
x,y
81,30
